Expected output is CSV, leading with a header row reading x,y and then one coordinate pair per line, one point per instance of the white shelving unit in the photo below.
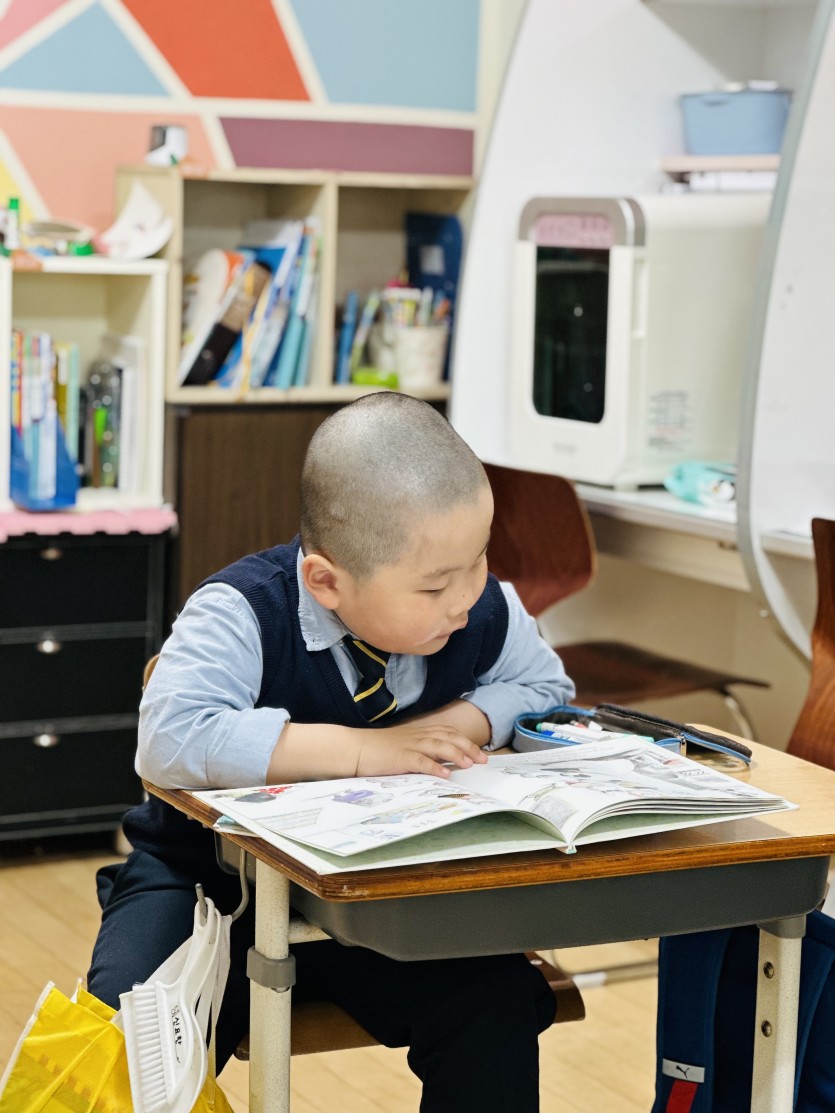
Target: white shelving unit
x,y
590,107
363,245
787,460
678,165
81,299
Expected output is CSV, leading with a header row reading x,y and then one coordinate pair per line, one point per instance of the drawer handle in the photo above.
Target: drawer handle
x,y
49,646
46,741
52,553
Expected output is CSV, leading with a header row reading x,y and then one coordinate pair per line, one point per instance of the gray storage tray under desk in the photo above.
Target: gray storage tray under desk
x,y
564,914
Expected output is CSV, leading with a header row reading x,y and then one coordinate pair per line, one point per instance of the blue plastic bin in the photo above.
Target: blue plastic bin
x,y
744,122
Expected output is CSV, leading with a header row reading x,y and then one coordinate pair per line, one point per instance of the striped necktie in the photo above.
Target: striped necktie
x,y
371,694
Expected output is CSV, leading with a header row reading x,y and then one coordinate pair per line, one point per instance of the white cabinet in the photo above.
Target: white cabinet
x,y
81,300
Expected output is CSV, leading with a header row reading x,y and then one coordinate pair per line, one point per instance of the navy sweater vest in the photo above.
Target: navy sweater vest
x,y
310,686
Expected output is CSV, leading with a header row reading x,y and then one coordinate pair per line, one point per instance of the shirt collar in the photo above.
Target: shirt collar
x,y
321,628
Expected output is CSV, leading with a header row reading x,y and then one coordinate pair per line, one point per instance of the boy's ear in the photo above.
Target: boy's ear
x,y
322,579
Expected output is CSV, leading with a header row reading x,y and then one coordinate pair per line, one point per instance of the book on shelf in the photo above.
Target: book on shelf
x,y
303,366
618,787
367,318
307,307
346,337
126,353
209,286
239,302
276,245
67,389
284,366
434,250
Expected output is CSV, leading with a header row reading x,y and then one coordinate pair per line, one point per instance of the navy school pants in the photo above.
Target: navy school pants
x,y
471,1024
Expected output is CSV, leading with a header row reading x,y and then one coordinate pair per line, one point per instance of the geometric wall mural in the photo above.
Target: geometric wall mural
x,y
363,56
87,54
223,50
320,84
21,15
87,146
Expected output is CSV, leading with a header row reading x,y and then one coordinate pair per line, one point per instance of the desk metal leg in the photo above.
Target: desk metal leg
x,y
775,1035
269,1037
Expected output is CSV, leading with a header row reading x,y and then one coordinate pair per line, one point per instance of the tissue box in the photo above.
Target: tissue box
x,y
743,122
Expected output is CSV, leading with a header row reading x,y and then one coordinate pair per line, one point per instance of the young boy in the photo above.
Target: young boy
x,y
268,677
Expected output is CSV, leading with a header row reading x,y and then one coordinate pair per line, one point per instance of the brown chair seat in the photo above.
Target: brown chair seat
x,y
322,1026
614,672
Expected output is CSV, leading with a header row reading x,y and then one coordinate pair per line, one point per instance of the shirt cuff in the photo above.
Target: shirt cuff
x,y
494,704
243,760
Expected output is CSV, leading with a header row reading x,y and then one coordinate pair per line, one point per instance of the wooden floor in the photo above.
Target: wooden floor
x,y
49,918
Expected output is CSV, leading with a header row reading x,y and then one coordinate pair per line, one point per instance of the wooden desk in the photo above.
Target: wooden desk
x,y
770,872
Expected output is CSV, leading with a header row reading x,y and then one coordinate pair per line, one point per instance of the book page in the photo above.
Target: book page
x,y
573,786
478,837
354,814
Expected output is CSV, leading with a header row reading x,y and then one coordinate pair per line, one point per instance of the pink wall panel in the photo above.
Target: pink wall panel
x,y
334,145
23,14
71,156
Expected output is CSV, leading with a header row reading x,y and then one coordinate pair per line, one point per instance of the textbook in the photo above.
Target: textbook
x,y
619,787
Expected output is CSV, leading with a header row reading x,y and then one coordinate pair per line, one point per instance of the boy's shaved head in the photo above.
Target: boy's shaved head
x,y
373,470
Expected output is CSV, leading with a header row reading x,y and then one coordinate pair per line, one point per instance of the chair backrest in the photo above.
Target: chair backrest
x,y
813,737
148,671
541,540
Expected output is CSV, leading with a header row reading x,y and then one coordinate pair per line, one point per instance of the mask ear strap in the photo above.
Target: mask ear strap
x,y
244,887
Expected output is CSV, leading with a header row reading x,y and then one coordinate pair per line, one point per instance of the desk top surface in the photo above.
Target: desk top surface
x,y
657,508
808,832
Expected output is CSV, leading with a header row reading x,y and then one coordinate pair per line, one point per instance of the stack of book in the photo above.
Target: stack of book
x,y
44,419
66,432
248,316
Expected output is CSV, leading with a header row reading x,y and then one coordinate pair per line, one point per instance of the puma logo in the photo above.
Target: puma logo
x,y
687,1071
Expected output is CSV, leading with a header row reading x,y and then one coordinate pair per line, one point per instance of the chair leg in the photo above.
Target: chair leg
x,y
739,714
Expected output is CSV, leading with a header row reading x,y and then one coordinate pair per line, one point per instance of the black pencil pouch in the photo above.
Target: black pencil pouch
x,y
610,717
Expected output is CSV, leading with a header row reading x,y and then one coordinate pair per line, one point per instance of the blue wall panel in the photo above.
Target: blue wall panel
x,y
421,55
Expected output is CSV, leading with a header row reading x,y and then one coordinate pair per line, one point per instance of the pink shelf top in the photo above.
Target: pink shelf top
x,y
16,523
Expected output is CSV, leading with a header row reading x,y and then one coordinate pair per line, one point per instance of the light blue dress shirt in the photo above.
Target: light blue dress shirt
x,y
199,728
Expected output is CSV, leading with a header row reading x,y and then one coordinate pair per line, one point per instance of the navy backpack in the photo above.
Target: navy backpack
x,y
705,1040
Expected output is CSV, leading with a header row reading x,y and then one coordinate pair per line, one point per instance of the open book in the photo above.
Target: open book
x,y
595,791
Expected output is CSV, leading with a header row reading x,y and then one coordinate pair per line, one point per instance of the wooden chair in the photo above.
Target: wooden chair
x,y
317,1026
813,737
542,542
320,1025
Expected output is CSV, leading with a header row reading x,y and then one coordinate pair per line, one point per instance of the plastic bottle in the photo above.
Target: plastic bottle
x,y
11,239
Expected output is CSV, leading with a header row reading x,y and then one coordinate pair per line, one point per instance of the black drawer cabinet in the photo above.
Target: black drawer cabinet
x,y
79,617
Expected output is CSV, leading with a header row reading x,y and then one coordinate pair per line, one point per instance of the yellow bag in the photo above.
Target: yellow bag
x,y
72,1059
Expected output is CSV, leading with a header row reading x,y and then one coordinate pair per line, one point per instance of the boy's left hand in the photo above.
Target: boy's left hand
x,y
421,746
